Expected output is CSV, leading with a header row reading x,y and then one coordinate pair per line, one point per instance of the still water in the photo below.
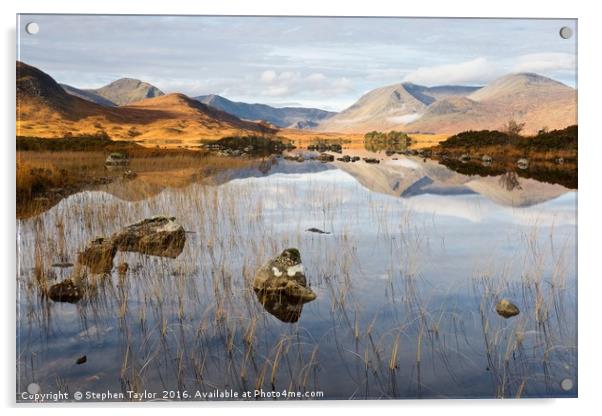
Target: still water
x,y
407,274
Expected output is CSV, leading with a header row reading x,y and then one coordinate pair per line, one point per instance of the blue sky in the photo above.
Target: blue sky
x,y
320,62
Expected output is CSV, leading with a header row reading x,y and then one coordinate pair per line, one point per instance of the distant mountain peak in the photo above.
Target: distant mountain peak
x,y
535,99
294,117
45,109
511,86
122,91
88,95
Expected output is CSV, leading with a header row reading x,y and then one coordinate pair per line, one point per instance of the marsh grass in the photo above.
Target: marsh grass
x,y
195,323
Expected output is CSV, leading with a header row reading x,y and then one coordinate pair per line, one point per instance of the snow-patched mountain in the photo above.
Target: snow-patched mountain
x,y
387,107
528,98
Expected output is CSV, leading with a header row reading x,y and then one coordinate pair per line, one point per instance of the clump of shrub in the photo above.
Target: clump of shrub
x,y
563,139
394,140
87,142
468,139
555,139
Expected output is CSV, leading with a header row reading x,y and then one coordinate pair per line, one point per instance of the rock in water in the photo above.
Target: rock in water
x,y
284,276
62,264
317,231
156,236
98,255
66,291
506,309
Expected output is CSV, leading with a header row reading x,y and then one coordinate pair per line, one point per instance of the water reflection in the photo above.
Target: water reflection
x,y
407,281
285,308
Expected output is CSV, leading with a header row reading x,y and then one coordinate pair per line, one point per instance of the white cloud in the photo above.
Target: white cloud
x,y
316,76
476,71
268,76
285,83
276,91
545,62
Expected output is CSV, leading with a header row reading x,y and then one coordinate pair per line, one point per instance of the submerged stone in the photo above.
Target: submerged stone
x,y
284,275
66,291
316,230
156,236
62,264
285,308
506,309
98,255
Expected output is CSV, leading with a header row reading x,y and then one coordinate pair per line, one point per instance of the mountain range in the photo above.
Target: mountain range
x,y
528,98
291,117
126,91
45,109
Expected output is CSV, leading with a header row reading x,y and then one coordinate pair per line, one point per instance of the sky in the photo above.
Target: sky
x,y
320,62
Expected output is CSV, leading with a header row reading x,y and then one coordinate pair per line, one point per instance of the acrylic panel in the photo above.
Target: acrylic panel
x,y
295,208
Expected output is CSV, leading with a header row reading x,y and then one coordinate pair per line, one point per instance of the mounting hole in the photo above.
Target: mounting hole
x,y
32,28
566,384
33,388
566,32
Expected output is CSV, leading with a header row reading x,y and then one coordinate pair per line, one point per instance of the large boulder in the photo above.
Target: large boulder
x,y
156,236
98,255
284,275
506,309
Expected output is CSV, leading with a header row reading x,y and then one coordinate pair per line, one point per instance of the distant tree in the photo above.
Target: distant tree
x,y
513,128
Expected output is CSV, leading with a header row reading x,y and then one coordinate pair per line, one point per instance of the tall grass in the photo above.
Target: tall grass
x,y
195,322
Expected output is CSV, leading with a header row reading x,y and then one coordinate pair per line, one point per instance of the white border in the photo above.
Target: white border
x,y
589,189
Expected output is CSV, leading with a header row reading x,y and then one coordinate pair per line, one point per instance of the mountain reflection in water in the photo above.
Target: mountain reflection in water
x,y
406,283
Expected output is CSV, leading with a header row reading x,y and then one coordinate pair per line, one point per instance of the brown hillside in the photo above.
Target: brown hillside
x,y
44,109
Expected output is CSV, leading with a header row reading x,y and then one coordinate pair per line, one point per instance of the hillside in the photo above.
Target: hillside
x,y
292,117
128,90
87,95
528,98
124,91
44,109
391,106
377,110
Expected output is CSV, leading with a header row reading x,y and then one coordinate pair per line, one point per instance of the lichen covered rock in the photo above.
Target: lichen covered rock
x,y
284,275
98,255
156,236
